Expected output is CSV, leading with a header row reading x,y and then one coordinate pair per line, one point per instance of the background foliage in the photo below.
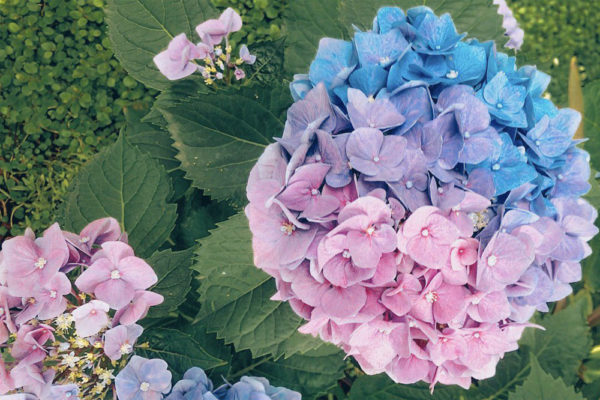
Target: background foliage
x,y
61,100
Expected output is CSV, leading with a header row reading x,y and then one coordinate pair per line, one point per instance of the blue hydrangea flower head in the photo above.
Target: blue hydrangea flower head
x,y
195,385
254,388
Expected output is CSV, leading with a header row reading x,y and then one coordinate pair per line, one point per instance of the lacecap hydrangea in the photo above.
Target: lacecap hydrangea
x,y
423,201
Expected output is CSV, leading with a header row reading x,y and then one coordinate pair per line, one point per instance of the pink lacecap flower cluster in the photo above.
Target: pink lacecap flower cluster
x,y
182,57
58,332
414,295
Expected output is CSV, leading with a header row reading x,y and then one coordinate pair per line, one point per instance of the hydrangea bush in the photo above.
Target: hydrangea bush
x,y
423,196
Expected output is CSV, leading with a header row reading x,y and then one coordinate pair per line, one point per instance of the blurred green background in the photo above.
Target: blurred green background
x,y
62,92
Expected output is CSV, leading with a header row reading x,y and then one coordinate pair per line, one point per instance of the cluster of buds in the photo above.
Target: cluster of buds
x,y
64,340
214,61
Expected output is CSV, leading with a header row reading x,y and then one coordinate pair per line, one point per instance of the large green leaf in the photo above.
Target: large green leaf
x,y
197,216
174,279
565,342
479,18
220,136
180,350
591,121
140,29
151,136
540,385
128,185
311,373
307,21
559,349
235,296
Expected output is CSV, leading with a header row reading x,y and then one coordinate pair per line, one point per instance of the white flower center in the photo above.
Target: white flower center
x,y
409,184
467,134
115,274
440,190
126,348
1,311
431,297
85,239
41,263
145,386
53,294
288,228
476,335
499,105
314,192
376,159
476,300
345,254
370,230
371,99
492,260
318,157
496,167
452,74
537,142
425,232
560,177
384,60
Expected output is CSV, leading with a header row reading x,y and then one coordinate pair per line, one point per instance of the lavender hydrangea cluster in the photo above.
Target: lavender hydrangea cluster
x,y
145,379
423,201
65,340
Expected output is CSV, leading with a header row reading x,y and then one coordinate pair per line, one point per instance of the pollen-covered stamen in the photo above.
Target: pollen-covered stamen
x,y
431,297
84,239
287,228
41,263
115,274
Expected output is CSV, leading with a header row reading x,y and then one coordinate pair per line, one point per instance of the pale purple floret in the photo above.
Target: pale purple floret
x,y
115,274
510,25
246,56
369,112
119,341
213,31
377,156
91,318
176,62
143,379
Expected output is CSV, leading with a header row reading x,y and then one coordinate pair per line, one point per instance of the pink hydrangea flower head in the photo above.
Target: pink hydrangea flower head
x,y
91,318
213,31
115,274
29,261
119,341
138,307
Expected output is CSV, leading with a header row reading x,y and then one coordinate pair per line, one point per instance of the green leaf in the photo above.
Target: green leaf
x,y
311,373
197,216
479,18
220,136
591,266
235,296
542,386
149,133
591,121
565,342
180,350
174,279
381,387
140,29
307,21
128,185
269,63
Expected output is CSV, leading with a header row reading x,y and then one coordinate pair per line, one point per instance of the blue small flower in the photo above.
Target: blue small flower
x,y
300,86
195,385
143,379
507,166
335,61
436,35
253,388
379,49
505,101
389,18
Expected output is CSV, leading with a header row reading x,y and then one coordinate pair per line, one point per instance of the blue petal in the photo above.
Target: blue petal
x,y
376,49
300,86
369,79
334,62
389,18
